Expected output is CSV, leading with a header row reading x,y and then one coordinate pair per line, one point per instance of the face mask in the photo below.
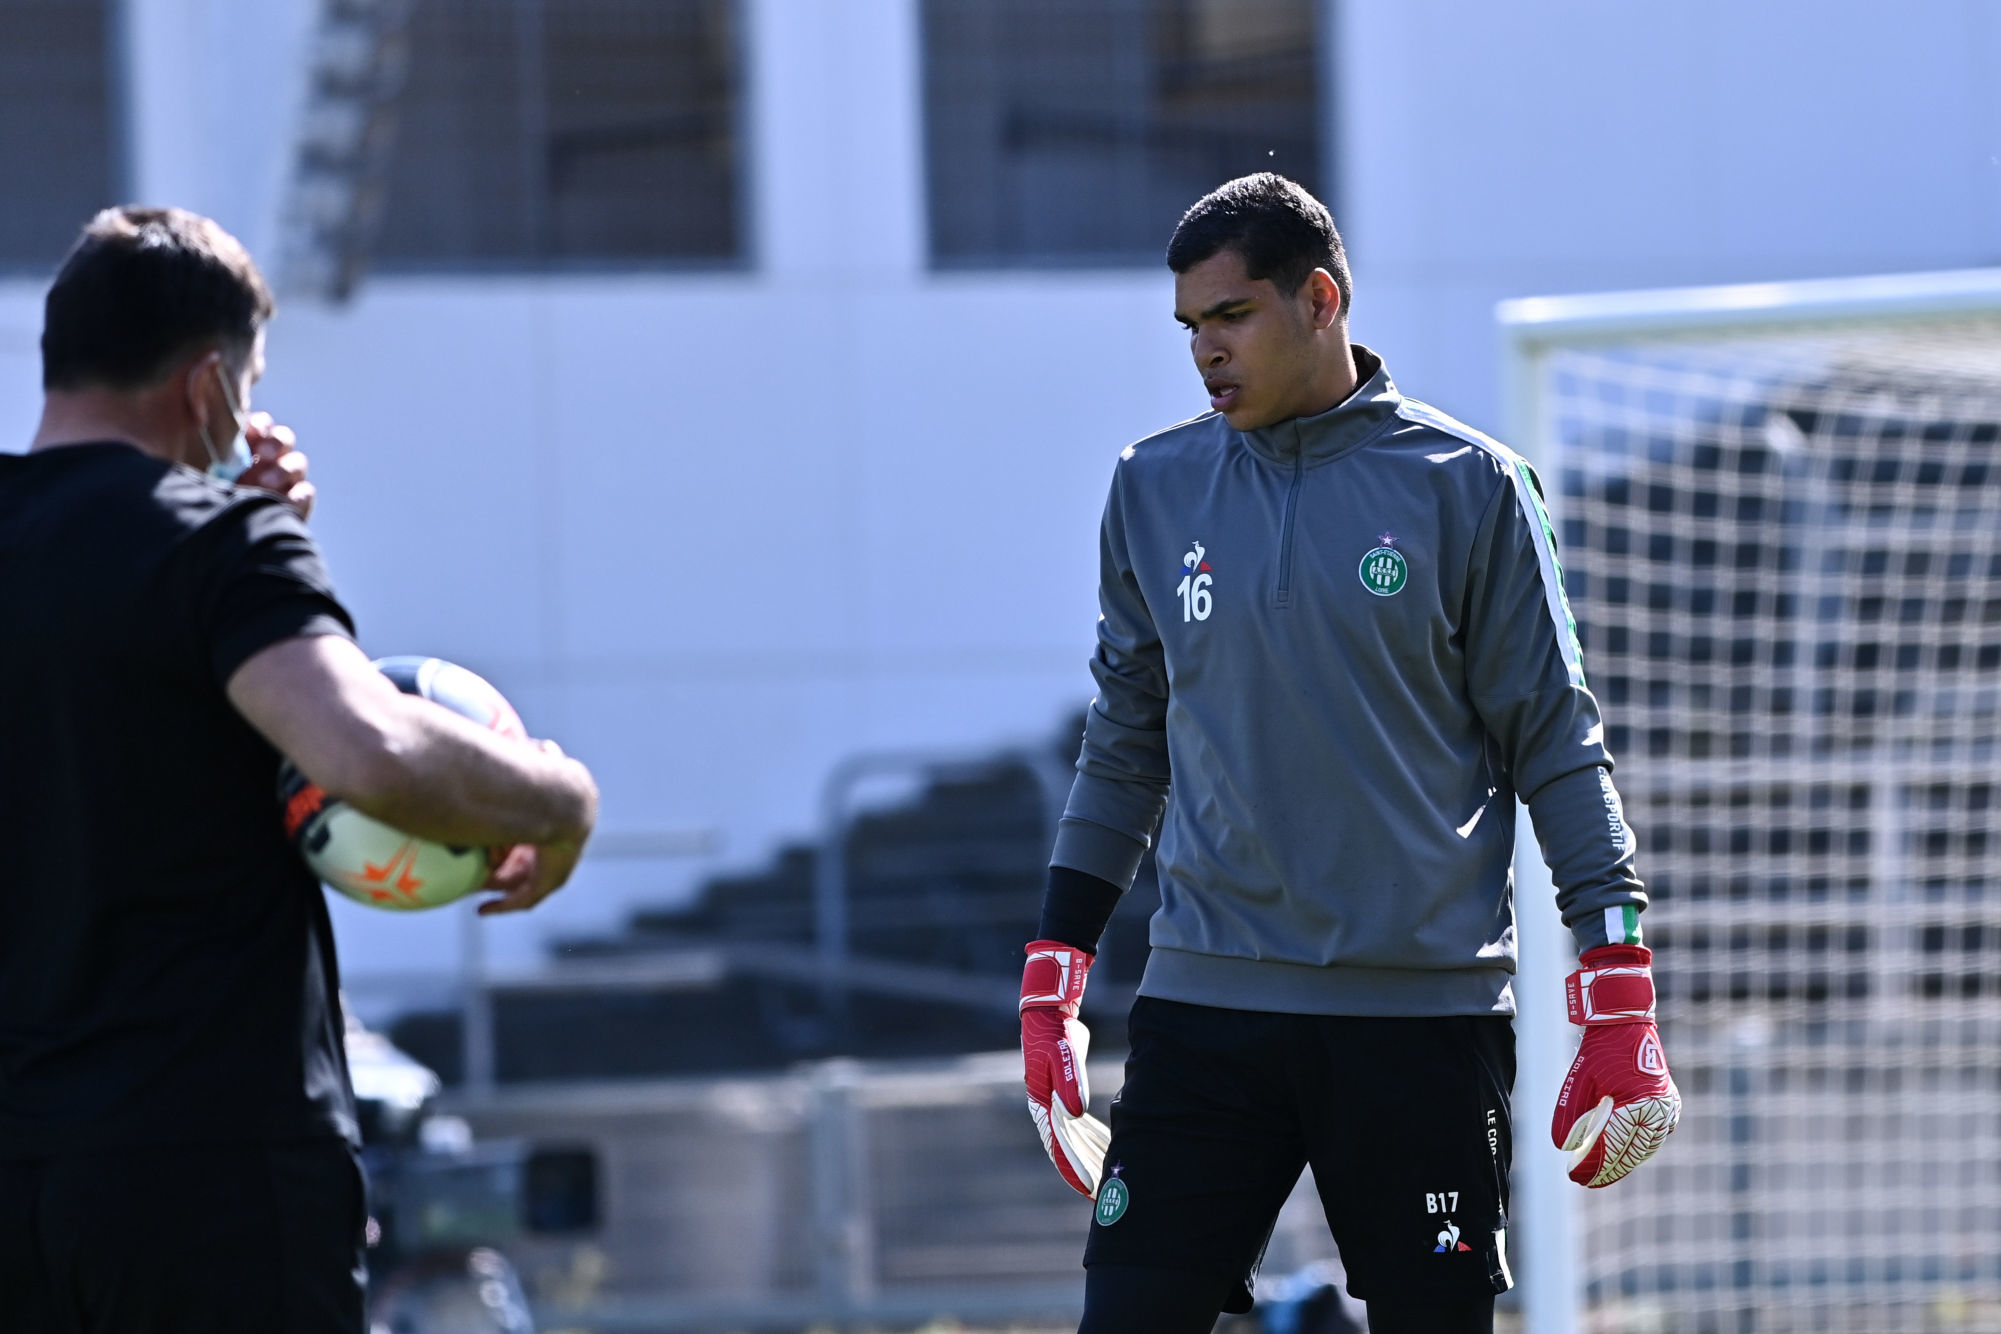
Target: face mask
x,y
230,464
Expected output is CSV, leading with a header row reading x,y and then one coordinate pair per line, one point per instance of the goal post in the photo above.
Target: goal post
x,y
1779,507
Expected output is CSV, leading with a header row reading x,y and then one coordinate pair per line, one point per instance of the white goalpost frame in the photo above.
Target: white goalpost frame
x,y
1549,1208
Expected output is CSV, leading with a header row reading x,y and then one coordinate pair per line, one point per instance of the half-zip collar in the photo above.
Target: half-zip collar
x,y
1308,441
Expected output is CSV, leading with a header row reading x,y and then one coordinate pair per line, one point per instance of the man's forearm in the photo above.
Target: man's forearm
x,y
1581,826
404,760
456,782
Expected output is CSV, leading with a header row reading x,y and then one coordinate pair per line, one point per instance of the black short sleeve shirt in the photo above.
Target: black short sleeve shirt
x,y
167,968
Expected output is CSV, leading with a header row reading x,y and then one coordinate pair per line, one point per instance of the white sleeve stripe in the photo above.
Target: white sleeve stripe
x,y
1540,530
1554,597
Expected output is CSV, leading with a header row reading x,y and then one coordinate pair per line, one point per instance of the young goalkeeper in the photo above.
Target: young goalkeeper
x,y
1334,648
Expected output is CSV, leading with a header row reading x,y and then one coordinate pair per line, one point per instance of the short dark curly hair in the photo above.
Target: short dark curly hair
x,y
1280,229
143,287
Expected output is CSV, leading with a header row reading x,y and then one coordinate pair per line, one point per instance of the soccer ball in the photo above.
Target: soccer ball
x,y
366,859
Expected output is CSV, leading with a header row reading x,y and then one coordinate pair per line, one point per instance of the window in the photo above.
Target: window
x,y
545,133
56,143
1079,131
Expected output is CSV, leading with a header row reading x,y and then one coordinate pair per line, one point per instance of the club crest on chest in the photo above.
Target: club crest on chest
x,y
1383,570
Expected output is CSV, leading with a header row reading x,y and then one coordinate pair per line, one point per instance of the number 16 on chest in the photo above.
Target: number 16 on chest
x,y
1196,600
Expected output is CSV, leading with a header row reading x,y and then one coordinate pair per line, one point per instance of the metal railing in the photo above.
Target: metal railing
x,y
842,1195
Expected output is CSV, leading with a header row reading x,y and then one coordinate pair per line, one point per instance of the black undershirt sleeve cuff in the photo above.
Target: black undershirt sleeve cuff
x,y
1076,907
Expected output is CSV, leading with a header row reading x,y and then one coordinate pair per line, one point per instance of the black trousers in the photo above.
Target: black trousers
x,y
1405,1123
196,1239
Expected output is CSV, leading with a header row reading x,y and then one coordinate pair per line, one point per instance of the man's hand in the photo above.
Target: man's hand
x,y
527,873
1054,1046
1619,1103
277,465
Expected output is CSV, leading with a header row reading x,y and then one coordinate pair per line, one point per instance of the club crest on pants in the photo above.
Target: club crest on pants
x,y
1113,1197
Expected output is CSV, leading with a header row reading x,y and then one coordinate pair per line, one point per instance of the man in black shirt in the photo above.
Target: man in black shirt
x,y
176,1124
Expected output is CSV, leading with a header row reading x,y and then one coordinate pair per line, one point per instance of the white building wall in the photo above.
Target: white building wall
x,y
716,532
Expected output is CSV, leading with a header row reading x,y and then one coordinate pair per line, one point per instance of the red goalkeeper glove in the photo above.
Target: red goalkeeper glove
x,y
1619,1102
1054,1046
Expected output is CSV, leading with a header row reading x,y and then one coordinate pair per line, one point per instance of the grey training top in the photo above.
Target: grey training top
x,y
1333,651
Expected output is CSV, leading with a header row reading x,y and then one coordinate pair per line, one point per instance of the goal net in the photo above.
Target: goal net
x,y
1780,515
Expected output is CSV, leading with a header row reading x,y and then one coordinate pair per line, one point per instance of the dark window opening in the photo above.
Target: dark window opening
x,y
538,134
1078,131
57,141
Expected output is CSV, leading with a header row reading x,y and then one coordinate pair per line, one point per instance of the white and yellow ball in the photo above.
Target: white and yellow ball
x,y
369,861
